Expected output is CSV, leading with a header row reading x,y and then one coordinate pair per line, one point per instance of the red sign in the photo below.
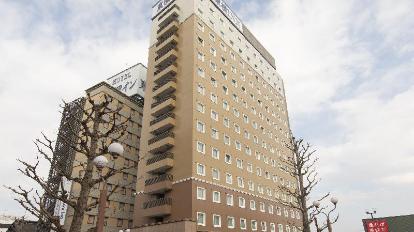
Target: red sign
x,y
376,226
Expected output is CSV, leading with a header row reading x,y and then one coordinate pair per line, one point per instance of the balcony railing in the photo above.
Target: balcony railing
x,y
161,100
161,136
162,117
163,52
156,203
158,179
164,82
159,70
157,158
164,37
171,18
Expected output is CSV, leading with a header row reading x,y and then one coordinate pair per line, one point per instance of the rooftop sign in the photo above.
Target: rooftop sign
x,y
229,13
130,81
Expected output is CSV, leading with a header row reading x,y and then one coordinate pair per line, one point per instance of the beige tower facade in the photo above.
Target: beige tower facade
x,y
119,211
214,128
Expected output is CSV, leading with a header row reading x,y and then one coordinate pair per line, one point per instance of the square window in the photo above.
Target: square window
x,y
215,174
216,197
215,153
214,115
201,147
254,225
201,219
229,200
242,202
243,224
252,205
216,220
200,127
201,193
227,158
229,178
201,170
230,222
200,108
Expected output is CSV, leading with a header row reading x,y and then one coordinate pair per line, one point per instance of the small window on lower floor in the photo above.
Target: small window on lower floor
x,y
201,219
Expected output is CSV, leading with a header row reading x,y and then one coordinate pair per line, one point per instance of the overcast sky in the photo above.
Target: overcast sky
x,y
347,65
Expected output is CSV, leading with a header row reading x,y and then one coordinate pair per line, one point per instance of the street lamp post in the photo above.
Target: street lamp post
x,y
329,223
115,150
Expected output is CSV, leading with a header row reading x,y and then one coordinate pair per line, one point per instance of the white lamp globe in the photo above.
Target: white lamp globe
x,y
116,149
334,200
100,161
316,204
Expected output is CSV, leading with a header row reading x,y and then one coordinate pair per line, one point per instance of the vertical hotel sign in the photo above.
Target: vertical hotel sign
x,y
161,5
229,13
376,226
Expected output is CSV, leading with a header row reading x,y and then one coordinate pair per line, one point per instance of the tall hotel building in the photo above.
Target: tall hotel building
x,y
214,127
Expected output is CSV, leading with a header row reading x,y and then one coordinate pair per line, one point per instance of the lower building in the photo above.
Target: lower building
x,y
390,224
120,206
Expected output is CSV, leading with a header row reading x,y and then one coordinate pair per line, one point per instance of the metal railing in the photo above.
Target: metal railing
x,y
161,136
158,179
161,100
164,116
157,158
156,203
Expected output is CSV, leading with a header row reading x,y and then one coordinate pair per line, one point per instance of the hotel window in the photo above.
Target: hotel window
x,y
216,220
264,226
200,25
280,227
227,158
200,72
294,229
200,107
259,171
200,56
201,147
201,127
223,60
215,153
214,133
251,185
201,170
225,90
297,215
270,209
201,219
216,197
286,212
236,112
213,66
201,193
254,225
242,202
252,205
213,51
226,122
224,75
230,222
238,145
214,115
245,118
250,168
212,37
287,228
272,227
226,105
201,41
237,128
213,98
262,207
248,151
292,213
226,140
215,174
229,178
240,182
213,82
279,211
223,46
243,223
239,163
200,89
229,200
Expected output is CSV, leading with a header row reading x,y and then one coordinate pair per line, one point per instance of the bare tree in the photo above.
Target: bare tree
x,y
301,166
100,123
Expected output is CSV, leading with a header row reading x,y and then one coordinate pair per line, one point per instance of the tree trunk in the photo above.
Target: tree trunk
x,y
82,202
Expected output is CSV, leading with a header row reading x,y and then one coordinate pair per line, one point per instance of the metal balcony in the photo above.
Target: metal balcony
x,y
162,142
167,44
170,20
161,76
157,208
167,89
159,184
166,59
163,123
163,106
160,163
162,40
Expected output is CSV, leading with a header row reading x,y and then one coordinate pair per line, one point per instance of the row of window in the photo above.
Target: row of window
x,y
229,201
244,224
220,27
